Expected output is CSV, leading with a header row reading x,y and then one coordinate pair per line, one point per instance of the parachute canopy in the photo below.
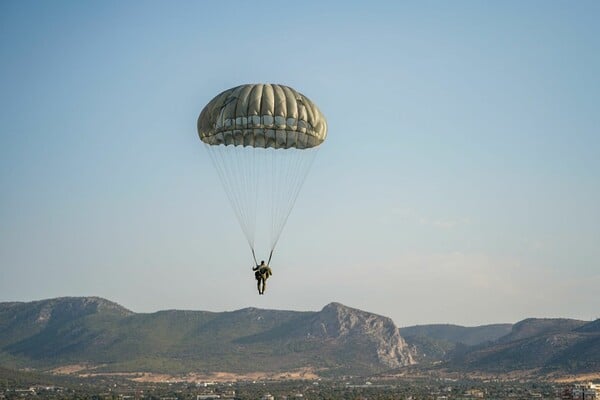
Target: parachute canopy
x,y
262,140
262,115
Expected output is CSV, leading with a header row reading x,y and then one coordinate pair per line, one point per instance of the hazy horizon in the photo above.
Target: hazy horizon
x,y
459,182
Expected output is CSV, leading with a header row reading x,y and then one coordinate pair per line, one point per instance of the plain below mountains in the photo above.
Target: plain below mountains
x,y
337,340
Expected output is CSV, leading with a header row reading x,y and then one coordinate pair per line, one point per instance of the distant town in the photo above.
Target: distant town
x,y
346,388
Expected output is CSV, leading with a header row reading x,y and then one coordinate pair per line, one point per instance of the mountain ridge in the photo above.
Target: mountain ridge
x,y
70,330
336,340
548,344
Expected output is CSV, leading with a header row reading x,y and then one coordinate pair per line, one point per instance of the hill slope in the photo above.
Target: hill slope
x,y
433,343
550,344
459,334
532,327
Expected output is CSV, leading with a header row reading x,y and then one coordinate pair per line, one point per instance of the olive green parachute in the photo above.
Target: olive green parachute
x,y
262,115
262,140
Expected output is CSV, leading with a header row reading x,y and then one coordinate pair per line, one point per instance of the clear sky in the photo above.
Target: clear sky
x,y
459,183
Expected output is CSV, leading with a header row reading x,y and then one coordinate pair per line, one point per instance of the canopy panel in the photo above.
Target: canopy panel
x,y
262,116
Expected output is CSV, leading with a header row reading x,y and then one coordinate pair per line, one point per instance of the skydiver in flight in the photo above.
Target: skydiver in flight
x,y
262,272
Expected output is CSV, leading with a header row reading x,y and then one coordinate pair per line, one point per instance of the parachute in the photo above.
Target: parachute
x,y
262,140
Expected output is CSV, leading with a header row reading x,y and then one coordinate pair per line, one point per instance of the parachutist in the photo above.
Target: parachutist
x,y
262,272
262,138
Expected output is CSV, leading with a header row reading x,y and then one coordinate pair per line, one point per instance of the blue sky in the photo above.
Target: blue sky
x,y
460,181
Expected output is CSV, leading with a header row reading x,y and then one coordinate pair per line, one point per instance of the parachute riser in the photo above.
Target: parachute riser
x,y
270,256
254,256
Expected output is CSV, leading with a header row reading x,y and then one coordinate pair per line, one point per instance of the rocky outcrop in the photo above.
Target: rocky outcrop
x,y
67,308
346,325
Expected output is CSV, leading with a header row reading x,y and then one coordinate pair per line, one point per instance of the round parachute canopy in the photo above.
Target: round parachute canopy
x,y
262,115
262,140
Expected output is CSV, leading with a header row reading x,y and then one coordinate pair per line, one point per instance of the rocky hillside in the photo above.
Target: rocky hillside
x,y
591,327
532,327
470,336
106,336
353,327
565,345
19,321
436,342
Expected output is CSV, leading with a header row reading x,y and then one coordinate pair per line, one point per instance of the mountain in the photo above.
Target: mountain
x,y
39,318
591,327
97,332
355,329
100,336
459,334
546,344
532,327
549,344
434,342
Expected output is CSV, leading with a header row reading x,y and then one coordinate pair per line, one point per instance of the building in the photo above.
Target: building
x,y
587,391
